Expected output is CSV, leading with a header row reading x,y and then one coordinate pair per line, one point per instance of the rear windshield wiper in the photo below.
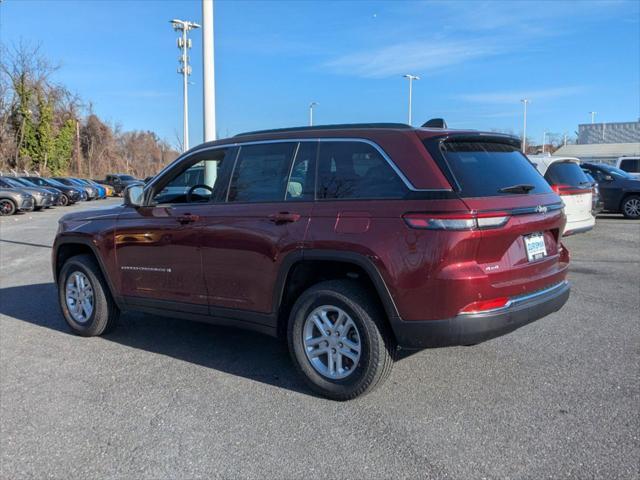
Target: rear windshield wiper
x,y
520,188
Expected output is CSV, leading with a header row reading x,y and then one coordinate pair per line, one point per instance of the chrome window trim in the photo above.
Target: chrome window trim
x,y
198,150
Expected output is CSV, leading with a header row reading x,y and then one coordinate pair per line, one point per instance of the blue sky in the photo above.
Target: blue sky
x,y
476,60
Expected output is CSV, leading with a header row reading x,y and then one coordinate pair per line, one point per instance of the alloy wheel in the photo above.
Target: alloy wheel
x,y
79,297
632,207
331,342
6,207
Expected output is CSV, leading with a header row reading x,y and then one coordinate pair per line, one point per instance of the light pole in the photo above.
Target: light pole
x,y
411,79
525,101
544,139
208,72
593,117
184,44
311,105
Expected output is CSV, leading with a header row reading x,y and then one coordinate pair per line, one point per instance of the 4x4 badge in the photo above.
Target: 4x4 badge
x,y
541,209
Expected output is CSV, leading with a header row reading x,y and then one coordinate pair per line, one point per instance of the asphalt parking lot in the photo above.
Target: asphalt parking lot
x,y
162,398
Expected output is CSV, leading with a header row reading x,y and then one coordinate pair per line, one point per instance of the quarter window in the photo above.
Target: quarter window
x,y
355,170
261,173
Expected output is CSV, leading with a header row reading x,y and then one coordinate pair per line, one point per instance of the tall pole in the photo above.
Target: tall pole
x,y
208,72
184,44
544,139
593,117
311,105
411,78
525,101
185,93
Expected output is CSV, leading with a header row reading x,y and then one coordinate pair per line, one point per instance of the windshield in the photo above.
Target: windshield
x,y
566,173
53,182
23,182
127,178
12,182
487,169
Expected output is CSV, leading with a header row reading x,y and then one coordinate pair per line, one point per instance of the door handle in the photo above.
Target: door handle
x,y
284,217
187,218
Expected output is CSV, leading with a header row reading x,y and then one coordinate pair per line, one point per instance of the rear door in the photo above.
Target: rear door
x,y
264,218
495,180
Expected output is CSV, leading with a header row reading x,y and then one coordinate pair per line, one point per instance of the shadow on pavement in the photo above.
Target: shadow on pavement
x,y
237,352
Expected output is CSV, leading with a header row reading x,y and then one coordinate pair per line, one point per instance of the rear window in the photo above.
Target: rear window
x,y
482,169
566,173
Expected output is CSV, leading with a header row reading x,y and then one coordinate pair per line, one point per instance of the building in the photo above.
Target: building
x,y
613,132
602,152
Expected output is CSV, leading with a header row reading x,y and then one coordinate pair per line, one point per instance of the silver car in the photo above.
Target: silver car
x,y
42,198
13,200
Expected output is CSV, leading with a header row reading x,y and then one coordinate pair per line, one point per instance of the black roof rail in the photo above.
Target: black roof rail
x,y
340,126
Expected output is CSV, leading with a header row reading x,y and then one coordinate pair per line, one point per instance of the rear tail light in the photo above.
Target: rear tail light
x,y
456,221
485,305
561,189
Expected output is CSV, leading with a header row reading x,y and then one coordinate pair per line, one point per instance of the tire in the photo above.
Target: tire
x,y
64,200
631,207
104,313
37,209
377,346
7,207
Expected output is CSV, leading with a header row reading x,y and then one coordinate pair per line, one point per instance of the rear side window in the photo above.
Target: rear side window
x,y
483,169
261,173
355,170
630,165
566,173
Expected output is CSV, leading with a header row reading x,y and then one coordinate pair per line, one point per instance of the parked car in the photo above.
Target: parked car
x,y
631,165
109,192
596,205
70,194
91,192
41,197
13,200
569,181
118,181
349,240
55,193
620,191
100,190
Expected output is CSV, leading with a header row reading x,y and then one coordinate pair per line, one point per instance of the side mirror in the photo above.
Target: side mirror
x,y
134,195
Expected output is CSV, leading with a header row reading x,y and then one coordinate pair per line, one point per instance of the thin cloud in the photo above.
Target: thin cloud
x,y
514,97
419,56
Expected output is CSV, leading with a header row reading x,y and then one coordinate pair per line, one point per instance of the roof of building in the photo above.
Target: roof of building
x,y
599,150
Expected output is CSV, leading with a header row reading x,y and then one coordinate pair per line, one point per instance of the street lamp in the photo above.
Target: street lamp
x,y
593,117
311,105
525,101
411,78
544,139
184,44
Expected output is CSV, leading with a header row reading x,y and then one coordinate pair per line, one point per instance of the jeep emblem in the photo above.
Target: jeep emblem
x,y
541,209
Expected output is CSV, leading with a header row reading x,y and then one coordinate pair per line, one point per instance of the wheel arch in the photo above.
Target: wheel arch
x,y
304,268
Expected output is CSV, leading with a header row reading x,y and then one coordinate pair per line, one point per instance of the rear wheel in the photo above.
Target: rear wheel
x,y
7,207
84,297
339,341
631,207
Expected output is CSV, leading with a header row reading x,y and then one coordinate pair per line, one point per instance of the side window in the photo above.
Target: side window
x,y
197,181
355,170
261,173
301,183
630,165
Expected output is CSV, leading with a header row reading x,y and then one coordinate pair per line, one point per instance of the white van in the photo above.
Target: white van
x,y
569,181
631,165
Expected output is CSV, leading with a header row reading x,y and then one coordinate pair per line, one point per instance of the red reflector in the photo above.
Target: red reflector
x,y
485,305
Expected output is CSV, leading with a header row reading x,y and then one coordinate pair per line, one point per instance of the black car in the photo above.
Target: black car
x,y
70,195
620,192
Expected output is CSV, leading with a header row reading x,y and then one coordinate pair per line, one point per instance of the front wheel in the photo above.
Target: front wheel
x,y
631,207
339,340
64,200
7,207
84,297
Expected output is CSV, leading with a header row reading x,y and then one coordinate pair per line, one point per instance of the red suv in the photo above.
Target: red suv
x,y
351,241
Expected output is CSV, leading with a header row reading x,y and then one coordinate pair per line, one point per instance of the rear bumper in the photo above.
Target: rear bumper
x,y
579,226
474,328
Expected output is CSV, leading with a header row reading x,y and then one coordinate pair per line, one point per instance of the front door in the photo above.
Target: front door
x,y
158,247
